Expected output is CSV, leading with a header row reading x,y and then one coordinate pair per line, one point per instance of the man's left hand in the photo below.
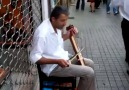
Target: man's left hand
x,y
72,31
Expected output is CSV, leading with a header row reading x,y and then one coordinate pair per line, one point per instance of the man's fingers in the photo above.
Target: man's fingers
x,y
66,63
73,30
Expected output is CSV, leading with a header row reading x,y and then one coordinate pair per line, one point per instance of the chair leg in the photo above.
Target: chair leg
x,y
74,85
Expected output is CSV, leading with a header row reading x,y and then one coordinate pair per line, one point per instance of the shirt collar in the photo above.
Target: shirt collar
x,y
51,27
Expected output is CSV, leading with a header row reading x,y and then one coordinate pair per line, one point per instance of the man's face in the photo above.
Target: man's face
x,y
61,21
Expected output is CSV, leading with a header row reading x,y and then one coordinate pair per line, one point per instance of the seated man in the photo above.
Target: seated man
x,y
47,50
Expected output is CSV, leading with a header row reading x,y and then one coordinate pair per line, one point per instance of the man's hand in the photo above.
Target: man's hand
x,y
72,31
63,63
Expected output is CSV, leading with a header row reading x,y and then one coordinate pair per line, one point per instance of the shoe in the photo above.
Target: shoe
x,y
108,12
115,13
127,60
97,8
77,9
92,11
82,9
128,72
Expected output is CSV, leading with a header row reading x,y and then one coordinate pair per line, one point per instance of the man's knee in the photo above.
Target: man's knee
x,y
89,62
89,72
92,73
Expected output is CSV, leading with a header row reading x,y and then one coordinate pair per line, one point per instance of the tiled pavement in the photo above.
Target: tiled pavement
x,y
101,36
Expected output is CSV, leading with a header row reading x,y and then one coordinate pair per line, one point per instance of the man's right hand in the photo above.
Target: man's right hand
x,y
63,63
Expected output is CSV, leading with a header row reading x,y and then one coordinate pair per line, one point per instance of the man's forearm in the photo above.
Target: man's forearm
x,y
47,61
65,36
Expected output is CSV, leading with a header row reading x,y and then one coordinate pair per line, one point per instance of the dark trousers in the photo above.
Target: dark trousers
x,y
82,4
104,1
97,3
125,34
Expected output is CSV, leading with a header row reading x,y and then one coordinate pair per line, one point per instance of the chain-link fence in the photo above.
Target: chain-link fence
x,y
18,20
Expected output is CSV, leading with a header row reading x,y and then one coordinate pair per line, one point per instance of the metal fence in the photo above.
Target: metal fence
x,y
18,20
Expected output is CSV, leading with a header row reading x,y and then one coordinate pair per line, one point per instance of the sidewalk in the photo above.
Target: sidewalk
x,y
100,34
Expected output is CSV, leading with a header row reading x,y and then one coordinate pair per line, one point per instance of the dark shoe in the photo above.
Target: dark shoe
x,y
108,12
82,9
97,8
128,72
127,63
77,9
115,13
92,11
127,60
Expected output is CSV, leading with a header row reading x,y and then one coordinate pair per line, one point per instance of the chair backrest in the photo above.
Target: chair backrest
x,y
41,74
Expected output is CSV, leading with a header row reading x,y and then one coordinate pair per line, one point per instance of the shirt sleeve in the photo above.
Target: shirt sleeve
x,y
126,6
115,3
37,49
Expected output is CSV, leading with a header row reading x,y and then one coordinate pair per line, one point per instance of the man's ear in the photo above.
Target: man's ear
x,y
53,19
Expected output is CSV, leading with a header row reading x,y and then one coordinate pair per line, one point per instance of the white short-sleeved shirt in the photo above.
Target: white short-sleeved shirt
x,y
123,7
46,43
